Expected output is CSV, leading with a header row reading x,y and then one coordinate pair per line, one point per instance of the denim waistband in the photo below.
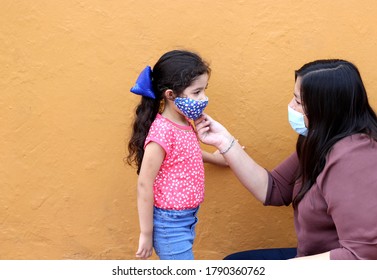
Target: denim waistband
x,y
175,213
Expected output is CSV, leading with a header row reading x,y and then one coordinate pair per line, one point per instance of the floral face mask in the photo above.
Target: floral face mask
x,y
191,108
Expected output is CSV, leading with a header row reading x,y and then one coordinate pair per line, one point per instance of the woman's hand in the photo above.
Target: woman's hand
x,y
211,132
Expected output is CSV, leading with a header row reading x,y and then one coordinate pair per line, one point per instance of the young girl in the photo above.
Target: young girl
x,y
166,152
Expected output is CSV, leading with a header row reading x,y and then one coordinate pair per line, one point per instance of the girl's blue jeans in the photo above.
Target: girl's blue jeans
x,y
174,233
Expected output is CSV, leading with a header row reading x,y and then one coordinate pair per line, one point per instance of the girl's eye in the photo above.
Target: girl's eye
x,y
298,102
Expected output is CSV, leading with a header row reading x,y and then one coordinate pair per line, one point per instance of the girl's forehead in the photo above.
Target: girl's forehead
x,y
202,77
200,80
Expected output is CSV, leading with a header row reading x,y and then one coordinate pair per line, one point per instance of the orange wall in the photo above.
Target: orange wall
x,y
66,68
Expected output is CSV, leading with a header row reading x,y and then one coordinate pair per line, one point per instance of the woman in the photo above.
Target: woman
x,y
331,179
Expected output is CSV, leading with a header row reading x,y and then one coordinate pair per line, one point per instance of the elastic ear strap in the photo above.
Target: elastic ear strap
x,y
143,85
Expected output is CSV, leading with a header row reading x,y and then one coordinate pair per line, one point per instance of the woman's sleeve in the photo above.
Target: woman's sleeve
x,y
349,186
281,182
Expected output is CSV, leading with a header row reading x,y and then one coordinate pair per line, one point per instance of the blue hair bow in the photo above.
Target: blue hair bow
x,y
143,85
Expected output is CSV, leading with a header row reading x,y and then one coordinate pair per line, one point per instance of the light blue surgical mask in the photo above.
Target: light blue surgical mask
x,y
296,120
191,108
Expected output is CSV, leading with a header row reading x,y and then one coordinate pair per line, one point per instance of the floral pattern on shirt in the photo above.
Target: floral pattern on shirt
x,y
180,181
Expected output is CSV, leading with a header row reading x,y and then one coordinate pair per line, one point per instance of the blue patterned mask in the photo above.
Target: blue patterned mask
x,y
191,108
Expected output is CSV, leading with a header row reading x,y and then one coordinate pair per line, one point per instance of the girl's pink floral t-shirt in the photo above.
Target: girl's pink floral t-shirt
x,y
180,181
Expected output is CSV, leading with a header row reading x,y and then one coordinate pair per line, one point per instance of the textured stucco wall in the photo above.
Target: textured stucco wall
x,y
65,112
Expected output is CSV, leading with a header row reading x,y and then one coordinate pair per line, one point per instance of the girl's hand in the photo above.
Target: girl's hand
x,y
145,246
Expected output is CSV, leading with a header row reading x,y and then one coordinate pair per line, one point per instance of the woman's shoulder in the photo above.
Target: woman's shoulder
x,y
351,160
356,140
355,145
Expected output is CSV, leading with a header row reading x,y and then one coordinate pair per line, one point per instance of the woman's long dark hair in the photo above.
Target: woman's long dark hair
x,y
175,70
336,104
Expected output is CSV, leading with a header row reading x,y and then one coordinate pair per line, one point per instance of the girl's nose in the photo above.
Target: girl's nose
x,y
203,97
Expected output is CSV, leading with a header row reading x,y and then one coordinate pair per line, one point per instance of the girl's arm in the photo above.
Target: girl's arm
x,y
214,158
153,156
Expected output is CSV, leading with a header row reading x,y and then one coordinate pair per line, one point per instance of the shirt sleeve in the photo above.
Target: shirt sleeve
x,y
281,181
160,134
349,186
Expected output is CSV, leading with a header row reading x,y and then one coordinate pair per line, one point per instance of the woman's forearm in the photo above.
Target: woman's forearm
x,y
253,176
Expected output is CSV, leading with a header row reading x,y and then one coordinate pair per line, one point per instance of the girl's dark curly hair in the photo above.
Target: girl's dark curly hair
x,y
175,70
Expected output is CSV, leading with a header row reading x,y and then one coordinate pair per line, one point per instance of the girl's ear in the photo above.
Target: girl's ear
x,y
169,94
